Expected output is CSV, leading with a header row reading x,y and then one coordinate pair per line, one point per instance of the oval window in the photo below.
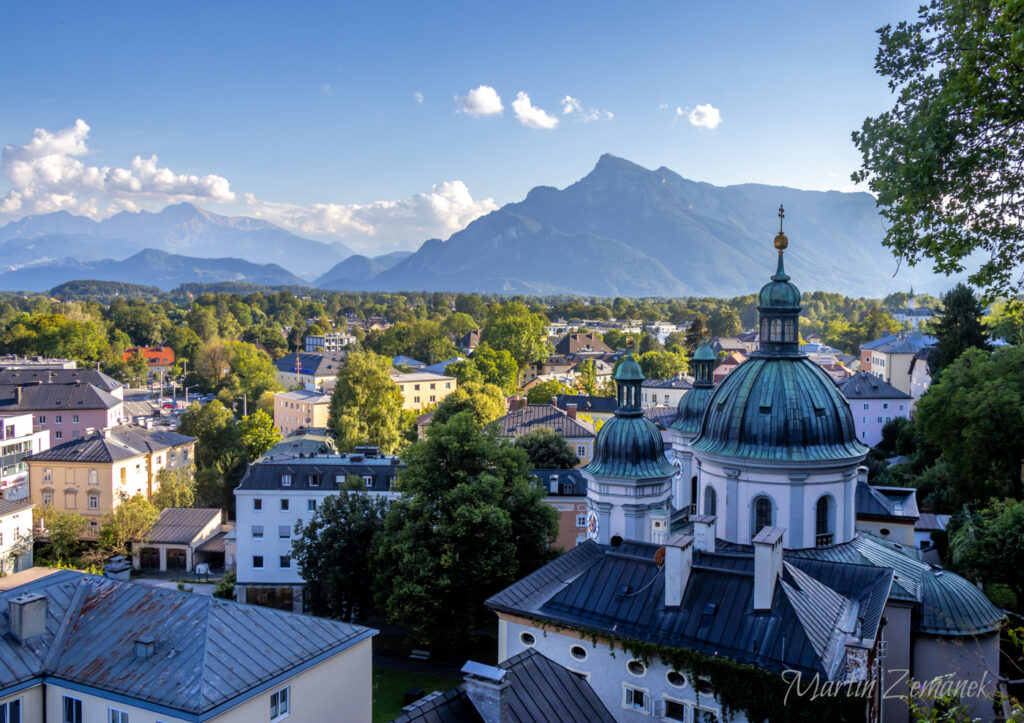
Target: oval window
x,y
527,639
884,531
704,686
578,652
674,677
636,668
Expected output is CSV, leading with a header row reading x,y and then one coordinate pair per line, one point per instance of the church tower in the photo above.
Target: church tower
x,y
685,427
777,445
629,479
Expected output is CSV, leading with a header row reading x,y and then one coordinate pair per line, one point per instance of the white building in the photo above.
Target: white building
x,y
668,392
334,341
15,535
18,440
873,403
280,491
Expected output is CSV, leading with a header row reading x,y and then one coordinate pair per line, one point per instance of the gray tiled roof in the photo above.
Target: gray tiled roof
x,y
320,365
586,404
676,382
209,652
9,507
902,343
565,477
19,377
539,691
864,385
533,416
114,445
56,397
897,503
266,473
181,524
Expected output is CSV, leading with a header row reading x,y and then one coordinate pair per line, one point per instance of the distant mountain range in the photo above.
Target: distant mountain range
x,y
181,229
152,268
622,230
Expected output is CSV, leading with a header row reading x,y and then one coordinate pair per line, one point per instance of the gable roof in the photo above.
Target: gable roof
x,y
181,524
587,342
533,416
22,377
56,397
316,364
895,503
408,361
9,507
864,385
113,445
679,381
587,404
442,366
209,652
902,343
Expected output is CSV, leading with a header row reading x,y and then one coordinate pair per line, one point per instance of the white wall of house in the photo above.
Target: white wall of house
x,y
16,541
18,437
870,415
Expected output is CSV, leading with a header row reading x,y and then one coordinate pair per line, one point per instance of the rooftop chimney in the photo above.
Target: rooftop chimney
x,y
17,395
27,615
767,565
862,474
678,563
704,532
570,409
487,688
145,646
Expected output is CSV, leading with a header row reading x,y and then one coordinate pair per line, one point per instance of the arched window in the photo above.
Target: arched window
x,y
710,501
776,334
822,523
762,514
790,327
693,495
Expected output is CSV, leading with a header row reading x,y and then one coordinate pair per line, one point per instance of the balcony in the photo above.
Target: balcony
x,y
823,540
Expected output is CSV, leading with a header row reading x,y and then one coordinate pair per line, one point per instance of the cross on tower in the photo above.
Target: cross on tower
x,y
782,215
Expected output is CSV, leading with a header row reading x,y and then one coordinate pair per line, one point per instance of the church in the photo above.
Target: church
x,y
749,534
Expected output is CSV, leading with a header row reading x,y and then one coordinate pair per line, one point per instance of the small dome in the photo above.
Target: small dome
x,y
773,408
628,370
779,292
704,353
630,447
691,410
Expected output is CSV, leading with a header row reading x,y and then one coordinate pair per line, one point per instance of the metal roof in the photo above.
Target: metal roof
x,y
56,397
209,652
676,382
928,522
902,343
864,385
621,590
533,416
316,364
266,474
587,404
539,690
63,377
896,503
113,445
630,447
565,477
181,525
690,410
9,507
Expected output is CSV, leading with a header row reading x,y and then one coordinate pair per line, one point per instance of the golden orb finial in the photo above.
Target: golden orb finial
x,y
781,242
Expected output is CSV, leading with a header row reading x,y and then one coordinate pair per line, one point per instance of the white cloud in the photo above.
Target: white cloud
x,y
327,89
446,208
662,106
483,100
572,106
46,175
704,116
418,96
530,115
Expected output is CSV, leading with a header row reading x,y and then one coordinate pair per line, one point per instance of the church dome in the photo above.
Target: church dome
x,y
629,445
779,405
691,406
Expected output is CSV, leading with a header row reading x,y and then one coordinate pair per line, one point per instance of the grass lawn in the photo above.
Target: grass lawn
x,y
389,687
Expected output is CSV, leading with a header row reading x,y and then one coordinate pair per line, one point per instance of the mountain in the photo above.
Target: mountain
x,y
627,230
178,229
149,267
358,268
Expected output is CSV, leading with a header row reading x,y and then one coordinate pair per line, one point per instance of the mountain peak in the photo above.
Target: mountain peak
x,y
608,163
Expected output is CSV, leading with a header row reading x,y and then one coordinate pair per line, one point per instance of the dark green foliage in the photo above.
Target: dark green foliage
x,y
958,328
226,586
484,401
544,392
988,545
546,449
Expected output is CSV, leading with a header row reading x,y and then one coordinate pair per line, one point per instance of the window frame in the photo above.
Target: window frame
x,y
5,710
277,710
629,695
116,715
259,566
76,710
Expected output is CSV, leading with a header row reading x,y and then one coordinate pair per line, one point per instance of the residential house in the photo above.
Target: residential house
x,y
84,649
14,362
873,402
93,474
526,687
18,440
665,391
729,344
303,442
157,358
890,357
469,341
661,329
727,365
330,342
441,367
912,316
927,527
593,409
15,535
407,361
567,493
65,402
587,343
920,373
309,371
423,389
181,538
579,434
300,409
279,492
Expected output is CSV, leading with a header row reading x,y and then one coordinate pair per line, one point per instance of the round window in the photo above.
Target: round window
x,y
884,531
616,540
636,668
578,652
704,686
674,677
527,639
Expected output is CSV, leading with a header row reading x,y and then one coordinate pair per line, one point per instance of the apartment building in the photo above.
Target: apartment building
x,y
15,535
19,439
300,410
422,389
333,342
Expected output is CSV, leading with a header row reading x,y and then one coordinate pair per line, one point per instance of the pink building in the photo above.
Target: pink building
x,y
65,402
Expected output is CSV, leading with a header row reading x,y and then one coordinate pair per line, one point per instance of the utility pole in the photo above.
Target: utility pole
x,y
245,406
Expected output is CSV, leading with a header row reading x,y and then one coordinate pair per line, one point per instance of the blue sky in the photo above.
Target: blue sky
x,y
307,115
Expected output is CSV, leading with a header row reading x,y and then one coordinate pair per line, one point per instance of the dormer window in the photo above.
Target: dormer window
x,y
314,480
286,480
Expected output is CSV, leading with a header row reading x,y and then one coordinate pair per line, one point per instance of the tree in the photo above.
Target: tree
x,y
465,371
332,553
496,366
957,329
176,488
547,449
128,522
458,325
946,163
724,321
136,368
484,401
974,414
695,334
615,339
661,364
63,530
257,434
366,405
586,377
517,330
989,545
252,371
214,428
469,521
543,392
213,361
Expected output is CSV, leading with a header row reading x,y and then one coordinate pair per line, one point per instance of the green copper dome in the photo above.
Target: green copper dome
x,y
779,292
704,353
629,445
691,406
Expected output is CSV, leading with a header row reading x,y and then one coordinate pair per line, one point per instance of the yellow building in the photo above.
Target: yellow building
x,y
300,408
92,475
421,390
